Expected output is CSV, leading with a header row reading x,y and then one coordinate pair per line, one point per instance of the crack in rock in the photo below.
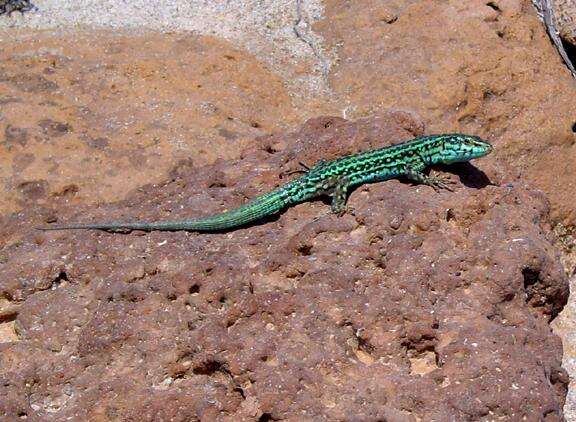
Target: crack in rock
x,y
302,30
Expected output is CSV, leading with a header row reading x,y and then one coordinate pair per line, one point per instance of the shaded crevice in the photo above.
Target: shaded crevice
x,y
210,367
546,13
240,390
305,249
145,275
570,51
494,6
270,149
538,295
9,314
298,26
62,276
365,346
530,277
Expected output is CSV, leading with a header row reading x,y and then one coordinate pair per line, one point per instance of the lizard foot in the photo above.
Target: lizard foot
x,y
441,182
341,211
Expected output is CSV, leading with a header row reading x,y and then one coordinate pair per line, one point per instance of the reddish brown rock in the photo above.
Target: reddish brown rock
x,y
481,67
109,113
415,306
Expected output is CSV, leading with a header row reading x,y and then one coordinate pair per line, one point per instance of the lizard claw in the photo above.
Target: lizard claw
x,y
439,183
340,211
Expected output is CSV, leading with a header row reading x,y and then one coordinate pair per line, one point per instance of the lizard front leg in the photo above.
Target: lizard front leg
x,y
340,195
337,188
436,182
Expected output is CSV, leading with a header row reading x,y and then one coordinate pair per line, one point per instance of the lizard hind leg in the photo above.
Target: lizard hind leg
x,y
337,188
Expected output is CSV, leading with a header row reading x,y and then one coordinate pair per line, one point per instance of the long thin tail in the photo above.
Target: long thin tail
x,y
262,206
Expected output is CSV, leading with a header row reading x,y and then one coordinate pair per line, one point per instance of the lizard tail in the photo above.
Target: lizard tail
x,y
116,226
261,207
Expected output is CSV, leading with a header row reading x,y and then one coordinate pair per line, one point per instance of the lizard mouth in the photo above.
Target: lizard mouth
x,y
487,147
482,148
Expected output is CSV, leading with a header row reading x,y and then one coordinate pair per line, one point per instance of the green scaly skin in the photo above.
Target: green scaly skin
x,y
336,178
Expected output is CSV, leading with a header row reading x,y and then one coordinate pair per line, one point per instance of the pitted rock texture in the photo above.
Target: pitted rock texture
x,y
415,305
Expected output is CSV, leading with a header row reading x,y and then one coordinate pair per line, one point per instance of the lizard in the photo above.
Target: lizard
x,y
335,178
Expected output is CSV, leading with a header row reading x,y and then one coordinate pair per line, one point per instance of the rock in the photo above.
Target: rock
x,y
415,306
110,113
551,17
565,14
54,129
15,135
486,68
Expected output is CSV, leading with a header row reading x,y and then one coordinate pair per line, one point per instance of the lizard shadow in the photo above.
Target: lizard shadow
x,y
324,199
264,220
470,176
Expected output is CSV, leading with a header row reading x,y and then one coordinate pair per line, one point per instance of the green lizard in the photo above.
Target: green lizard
x,y
336,178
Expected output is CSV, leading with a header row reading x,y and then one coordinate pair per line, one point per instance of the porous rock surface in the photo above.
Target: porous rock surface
x,y
415,305
565,15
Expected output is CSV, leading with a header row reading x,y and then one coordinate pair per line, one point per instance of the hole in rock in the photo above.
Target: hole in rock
x,y
208,368
494,6
530,276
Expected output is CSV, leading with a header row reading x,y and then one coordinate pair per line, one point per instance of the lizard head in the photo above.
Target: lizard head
x,y
458,148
